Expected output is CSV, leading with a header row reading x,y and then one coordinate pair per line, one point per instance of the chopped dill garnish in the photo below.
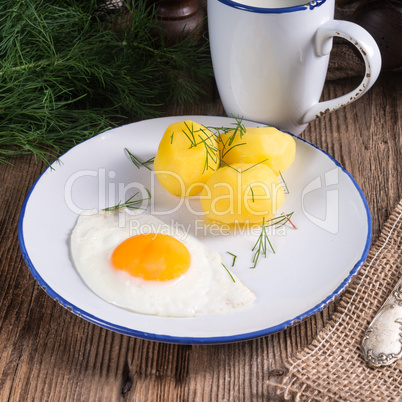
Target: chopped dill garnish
x,y
284,183
280,220
288,219
245,170
190,135
138,162
130,203
234,258
260,246
252,193
228,272
239,129
224,153
211,151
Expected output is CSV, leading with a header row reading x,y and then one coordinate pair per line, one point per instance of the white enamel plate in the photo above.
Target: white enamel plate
x,y
310,266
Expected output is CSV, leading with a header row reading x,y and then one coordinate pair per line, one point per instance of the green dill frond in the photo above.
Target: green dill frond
x,y
263,241
131,203
234,257
228,272
69,70
138,162
189,133
211,151
239,129
245,170
284,185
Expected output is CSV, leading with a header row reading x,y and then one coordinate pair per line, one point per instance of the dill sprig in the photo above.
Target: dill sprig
x,y
261,245
286,189
190,134
228,272
69,70
131,203
245,170
225,151
138,162
291,223
211,151
239,129
234,258
252,193
280,220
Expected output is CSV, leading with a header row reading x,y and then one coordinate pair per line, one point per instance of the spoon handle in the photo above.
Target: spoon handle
x,y
382,342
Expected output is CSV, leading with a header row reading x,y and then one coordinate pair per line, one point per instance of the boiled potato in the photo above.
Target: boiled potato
x,y
257,144
187,156
242,193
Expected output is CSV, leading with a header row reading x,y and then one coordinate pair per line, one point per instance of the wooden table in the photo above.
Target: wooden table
x,y
48,353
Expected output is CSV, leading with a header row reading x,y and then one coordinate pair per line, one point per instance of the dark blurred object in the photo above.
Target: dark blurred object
x,y
345,60
180,18
383,20
342,2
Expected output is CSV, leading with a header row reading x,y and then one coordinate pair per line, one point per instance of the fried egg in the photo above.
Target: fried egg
x,y
138,262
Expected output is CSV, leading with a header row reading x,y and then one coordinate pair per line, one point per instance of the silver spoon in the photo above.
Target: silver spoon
x,y
382,342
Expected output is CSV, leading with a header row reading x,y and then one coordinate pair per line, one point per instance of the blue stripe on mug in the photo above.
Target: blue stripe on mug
x,y
301,7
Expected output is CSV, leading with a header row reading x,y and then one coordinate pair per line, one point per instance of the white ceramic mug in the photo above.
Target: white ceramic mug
x,y
270,59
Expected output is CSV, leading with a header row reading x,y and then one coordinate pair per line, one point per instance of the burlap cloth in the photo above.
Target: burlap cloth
x,y
332,367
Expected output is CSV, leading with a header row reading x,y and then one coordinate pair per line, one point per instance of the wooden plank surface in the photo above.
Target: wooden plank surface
x,y
48,353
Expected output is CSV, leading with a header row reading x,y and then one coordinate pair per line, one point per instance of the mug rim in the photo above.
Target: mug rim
x,y
309,5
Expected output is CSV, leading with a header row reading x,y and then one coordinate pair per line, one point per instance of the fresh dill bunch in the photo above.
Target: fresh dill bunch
x,y
69,71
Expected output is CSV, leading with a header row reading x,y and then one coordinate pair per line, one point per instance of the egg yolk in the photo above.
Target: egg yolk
x,y
154,256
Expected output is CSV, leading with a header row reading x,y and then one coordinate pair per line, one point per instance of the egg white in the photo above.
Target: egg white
x,y
205,288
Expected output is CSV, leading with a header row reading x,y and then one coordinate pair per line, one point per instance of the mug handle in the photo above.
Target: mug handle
x,y
367,47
